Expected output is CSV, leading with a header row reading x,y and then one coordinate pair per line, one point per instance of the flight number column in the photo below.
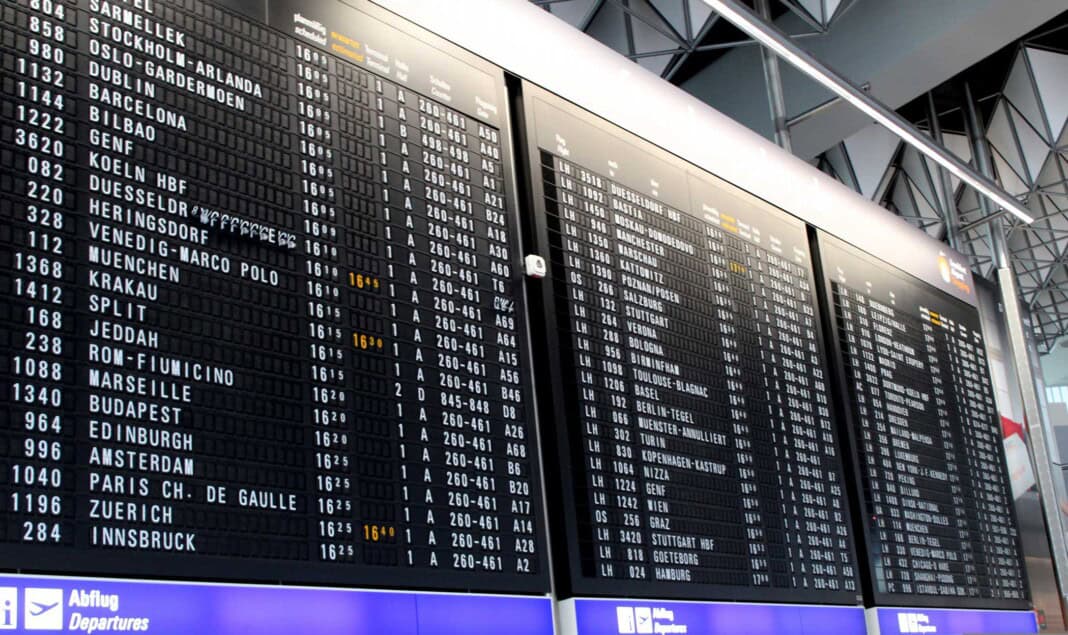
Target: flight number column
x,y
329,347
594,338
38,133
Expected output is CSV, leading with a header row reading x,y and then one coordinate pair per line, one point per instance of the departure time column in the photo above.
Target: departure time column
x,y
738,342
315,101
982,465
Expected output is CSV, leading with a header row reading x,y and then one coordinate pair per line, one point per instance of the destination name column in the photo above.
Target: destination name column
x,y
682,457
331,344
140,450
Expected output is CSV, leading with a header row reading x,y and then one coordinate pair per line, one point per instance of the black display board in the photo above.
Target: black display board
x,y
927,455
260,319
690,409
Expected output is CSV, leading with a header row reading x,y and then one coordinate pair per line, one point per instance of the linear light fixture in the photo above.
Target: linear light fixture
x,y
779,43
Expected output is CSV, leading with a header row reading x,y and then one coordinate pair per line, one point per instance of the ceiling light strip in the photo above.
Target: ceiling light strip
x,y
780,44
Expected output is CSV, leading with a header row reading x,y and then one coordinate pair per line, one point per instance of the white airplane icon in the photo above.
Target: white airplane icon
x,y
42,608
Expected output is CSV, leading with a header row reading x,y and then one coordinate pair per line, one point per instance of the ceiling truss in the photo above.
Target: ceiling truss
x,y
665,36
1024,122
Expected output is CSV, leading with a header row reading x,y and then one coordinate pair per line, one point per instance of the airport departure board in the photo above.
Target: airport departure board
x,y
260,314
937,507
694,421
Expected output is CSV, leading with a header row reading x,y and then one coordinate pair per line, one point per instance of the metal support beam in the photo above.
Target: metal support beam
x,y
773,80
740,16
949,202
987,218
981,151
1039,432
634,15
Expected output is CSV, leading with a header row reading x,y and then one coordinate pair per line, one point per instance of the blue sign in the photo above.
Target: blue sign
x,y
631,617
953,622
31,604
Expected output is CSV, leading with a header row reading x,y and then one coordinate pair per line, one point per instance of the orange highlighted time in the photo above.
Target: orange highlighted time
x,y
366,342
379,533
361,281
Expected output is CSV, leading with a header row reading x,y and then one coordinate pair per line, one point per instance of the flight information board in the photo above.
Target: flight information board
x,y
260,319
937,507
700,456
